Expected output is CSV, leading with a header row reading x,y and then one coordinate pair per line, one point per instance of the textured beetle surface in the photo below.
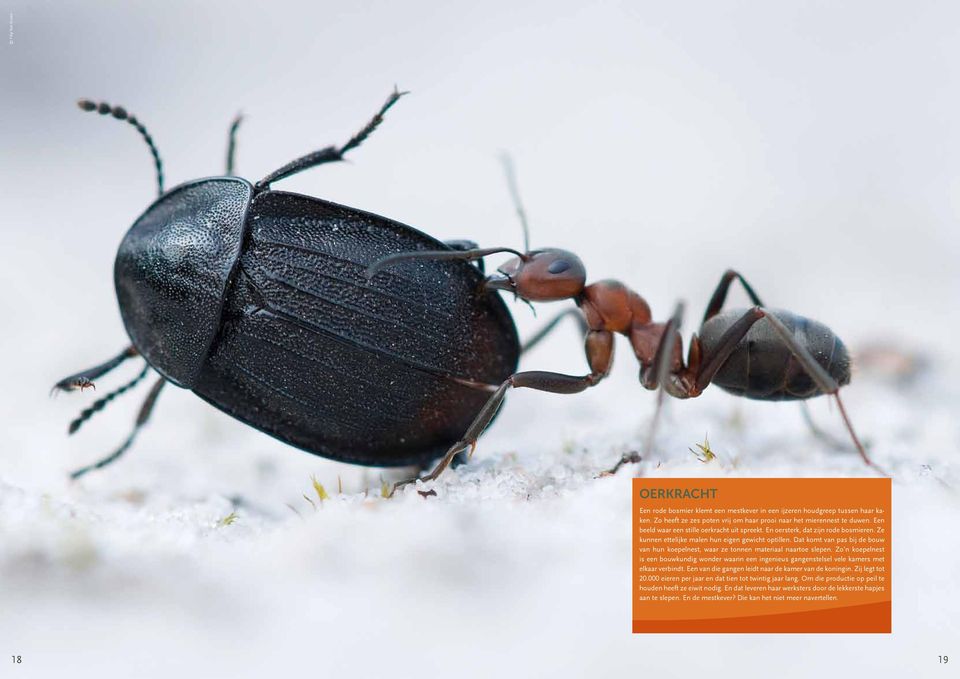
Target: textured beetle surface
x,y
172,271
258,301
264,311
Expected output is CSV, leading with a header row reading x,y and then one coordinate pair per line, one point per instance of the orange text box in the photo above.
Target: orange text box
x,y
761,555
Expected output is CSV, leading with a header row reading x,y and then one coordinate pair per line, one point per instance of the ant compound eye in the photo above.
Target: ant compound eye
x,y
550,275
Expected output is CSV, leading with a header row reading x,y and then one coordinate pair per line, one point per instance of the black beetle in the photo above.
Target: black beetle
x,y
257,301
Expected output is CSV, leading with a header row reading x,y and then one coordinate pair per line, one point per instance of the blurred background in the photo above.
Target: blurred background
x,y
813,146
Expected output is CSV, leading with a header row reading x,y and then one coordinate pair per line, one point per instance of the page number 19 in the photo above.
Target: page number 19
x,y
944,659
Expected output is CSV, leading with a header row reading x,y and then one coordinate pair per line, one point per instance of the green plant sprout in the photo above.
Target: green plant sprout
x,y
705,454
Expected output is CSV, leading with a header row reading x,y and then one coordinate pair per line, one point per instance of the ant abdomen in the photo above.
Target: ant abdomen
x,y
763,367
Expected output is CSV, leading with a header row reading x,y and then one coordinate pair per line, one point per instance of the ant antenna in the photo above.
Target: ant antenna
x,y
120,113
459,255
511,176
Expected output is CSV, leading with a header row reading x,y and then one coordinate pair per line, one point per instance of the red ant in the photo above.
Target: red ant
x,y
759,353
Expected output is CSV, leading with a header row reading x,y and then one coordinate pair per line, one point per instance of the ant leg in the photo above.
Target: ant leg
x,y
657,373
632,457
232,142
575,313
599,347
84,378
720,294
713,308
330,154
823,380
665,365
436,255
821,435
736,332
556,383
728,342
142,417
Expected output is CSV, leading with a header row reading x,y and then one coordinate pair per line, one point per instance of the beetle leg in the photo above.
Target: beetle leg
x,y
142,417
84,378
599,348
330,154
101,403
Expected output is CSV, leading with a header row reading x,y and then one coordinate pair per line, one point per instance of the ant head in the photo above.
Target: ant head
x,y
547,275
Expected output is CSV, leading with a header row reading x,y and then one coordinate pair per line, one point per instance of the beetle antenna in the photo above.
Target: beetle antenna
x,y
101,403
232,142
461,255
511,176
120,113
331,154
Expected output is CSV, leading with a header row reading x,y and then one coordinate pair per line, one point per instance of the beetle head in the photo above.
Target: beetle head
x,y
547,275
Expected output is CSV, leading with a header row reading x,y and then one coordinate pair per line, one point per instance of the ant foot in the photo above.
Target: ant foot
x,y
400,484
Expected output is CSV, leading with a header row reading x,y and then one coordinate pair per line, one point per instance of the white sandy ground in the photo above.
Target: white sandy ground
x,y
519,566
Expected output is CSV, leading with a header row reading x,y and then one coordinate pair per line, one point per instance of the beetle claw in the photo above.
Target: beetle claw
x,y
72,384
